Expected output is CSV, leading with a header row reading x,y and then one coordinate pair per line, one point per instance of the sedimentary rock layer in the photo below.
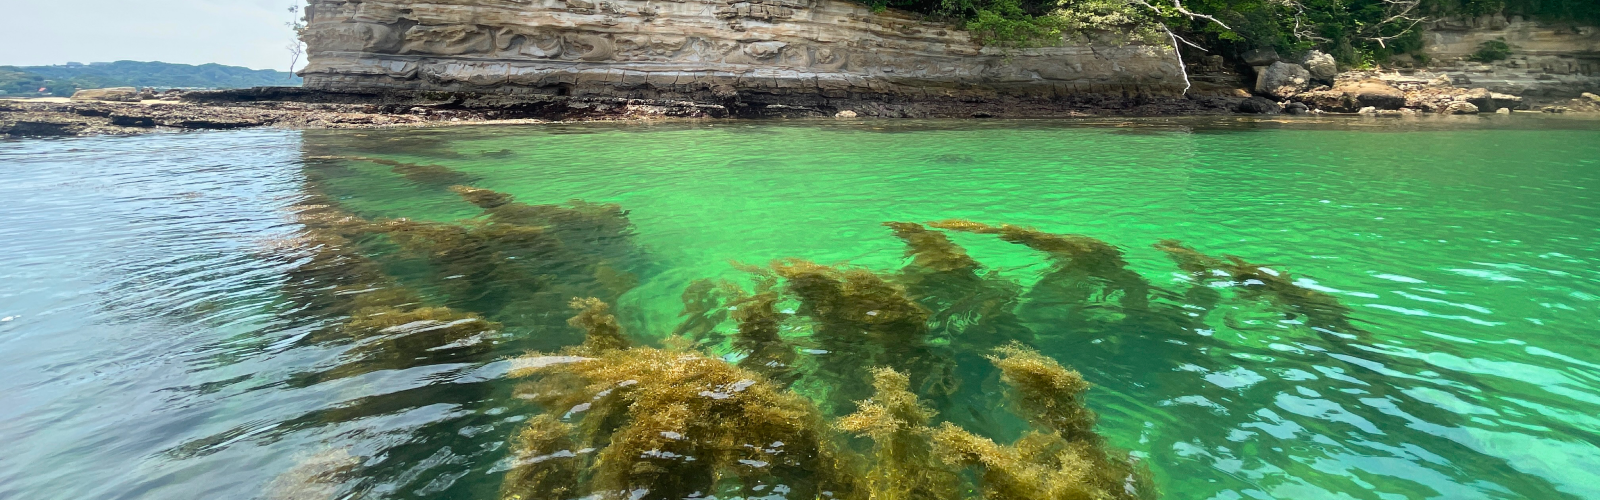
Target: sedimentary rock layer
x,y
1545,60
703,50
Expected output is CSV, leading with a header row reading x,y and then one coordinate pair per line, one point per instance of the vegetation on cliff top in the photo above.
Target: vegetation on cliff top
x,y
1355,32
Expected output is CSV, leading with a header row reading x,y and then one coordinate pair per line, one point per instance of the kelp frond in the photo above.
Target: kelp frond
x,y
674,424
601,331
931,250
1320,310
758,337
904,466
1084,251
1049,395
546,460
1062,458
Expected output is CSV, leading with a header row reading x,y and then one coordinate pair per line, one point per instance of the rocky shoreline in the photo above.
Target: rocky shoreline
x,y
299,108
130,112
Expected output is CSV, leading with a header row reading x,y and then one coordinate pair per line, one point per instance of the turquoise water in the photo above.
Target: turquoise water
x,y
158,340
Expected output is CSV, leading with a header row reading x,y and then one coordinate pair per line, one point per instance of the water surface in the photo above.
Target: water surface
x,y
155,341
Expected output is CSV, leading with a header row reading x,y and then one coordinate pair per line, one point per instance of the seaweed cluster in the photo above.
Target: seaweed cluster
x,y
402,294
647,423
641,422
807,381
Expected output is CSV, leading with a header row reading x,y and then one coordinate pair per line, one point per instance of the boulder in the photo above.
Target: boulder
x,y
1259,105
1460,108
1283,79
1349,97
1503,111
1260,57
115,94
1297,108
1321,65
1591,97
846,114
1369,110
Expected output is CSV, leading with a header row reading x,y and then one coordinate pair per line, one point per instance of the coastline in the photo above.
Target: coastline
x,y
299,108
309,109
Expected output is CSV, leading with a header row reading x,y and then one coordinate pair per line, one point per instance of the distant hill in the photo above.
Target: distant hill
x,y
63,80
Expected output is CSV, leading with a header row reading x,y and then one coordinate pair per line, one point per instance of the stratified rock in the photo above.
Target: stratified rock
x,y
1349,97
114,94
756,54
1283,79
1259,105
1321,65
1460,108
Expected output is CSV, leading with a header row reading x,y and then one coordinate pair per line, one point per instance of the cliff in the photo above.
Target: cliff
x,y
1550,60
804,52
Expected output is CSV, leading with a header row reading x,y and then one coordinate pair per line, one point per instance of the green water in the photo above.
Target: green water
x,y
156,350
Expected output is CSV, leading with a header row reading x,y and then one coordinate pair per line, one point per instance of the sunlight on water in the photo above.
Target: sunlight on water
x,y
1296,311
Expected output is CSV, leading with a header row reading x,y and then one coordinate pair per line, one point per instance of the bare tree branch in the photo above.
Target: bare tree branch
x,y
1177,50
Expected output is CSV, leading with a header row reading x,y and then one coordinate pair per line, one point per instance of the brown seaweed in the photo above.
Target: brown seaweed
x,y
670,424
1085,266
904,464
601,331
1260,282
861,319
1062,458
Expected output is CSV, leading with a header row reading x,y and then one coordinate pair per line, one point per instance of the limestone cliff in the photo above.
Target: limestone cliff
x,y
1546,59
704,50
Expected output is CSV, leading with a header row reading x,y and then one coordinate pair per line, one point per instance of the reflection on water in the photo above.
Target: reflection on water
x,y
1264,311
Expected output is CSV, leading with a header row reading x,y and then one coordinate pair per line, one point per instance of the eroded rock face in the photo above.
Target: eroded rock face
x,y
704,50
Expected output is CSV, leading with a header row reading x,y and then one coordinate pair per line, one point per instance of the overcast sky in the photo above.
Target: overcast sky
x,y
234,32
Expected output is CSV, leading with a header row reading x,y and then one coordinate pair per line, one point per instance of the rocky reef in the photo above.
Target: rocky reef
x,y
824,54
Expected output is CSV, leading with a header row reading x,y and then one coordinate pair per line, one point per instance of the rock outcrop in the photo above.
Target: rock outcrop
x,y
775,51
113,94
1545,61
1282,80
1352,95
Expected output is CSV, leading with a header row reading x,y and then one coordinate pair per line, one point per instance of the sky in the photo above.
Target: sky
x,y
248,33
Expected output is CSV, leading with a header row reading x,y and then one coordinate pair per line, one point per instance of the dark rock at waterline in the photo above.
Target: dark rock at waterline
x,y
39,129
1297,108
1259,105
132,121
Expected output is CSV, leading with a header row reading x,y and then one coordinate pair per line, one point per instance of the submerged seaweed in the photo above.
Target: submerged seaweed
x,y
1260,282
654,423
834,382
661,424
